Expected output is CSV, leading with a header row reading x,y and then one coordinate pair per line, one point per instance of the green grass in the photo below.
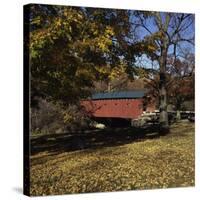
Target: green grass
x,y
162,162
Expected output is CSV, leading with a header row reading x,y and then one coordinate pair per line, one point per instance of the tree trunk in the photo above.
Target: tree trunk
x,y
178,115
109,87
163,119
178,108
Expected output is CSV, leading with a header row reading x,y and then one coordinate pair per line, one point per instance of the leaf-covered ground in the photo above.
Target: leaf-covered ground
x,y
145,163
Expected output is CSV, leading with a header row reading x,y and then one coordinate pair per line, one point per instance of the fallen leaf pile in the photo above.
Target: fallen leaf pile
x,y
162,162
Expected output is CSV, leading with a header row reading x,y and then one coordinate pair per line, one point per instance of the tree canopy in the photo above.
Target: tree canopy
x,y
70,47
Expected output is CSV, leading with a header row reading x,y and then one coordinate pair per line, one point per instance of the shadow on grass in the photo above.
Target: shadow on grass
x,y
91,139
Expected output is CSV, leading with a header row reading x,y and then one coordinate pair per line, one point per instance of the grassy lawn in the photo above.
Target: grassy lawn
x,y
103,162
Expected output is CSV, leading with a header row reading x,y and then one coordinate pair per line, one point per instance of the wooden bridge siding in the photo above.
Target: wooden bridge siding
x,y
121,108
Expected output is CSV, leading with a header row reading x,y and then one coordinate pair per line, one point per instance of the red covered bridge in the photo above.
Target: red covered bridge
x,y
123,104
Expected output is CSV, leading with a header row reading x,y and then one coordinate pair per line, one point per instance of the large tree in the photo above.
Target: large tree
x,y
71,47
166,34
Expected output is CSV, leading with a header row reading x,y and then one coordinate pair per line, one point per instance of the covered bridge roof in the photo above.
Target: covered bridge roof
x,y
119,95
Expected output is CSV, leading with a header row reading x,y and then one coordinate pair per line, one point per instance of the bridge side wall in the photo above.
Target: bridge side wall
x,y
119,108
